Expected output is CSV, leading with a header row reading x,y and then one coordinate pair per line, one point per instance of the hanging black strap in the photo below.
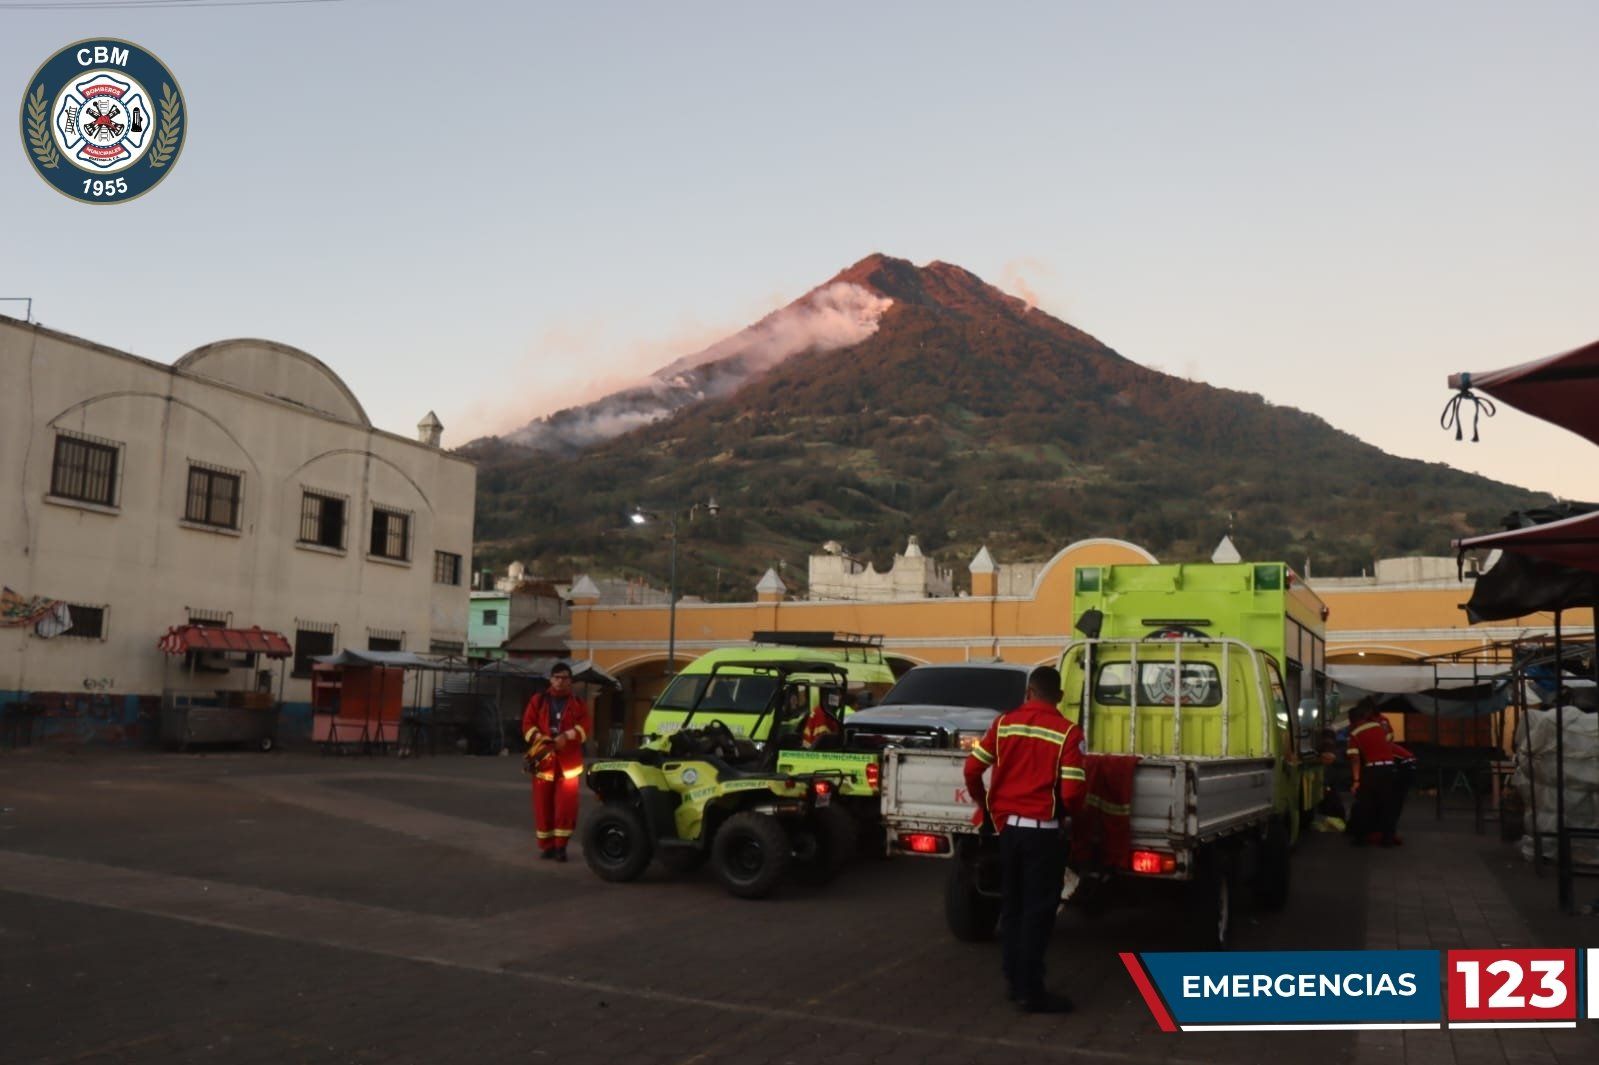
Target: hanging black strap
x,y
1481,405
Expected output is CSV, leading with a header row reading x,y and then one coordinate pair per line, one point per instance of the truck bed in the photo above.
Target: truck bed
x,y
1177,802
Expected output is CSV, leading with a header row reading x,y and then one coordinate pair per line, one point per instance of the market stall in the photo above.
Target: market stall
x,y
242,707
1546,560
358,698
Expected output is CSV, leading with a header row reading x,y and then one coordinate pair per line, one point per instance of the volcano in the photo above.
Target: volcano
x,y
896,399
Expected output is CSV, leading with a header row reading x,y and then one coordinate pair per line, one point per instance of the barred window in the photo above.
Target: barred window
x,y
446,568
322,519
215,619
88,622
84,470
391,534
308,643
213,497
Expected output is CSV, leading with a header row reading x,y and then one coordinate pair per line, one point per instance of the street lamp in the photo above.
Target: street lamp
x,y
640,516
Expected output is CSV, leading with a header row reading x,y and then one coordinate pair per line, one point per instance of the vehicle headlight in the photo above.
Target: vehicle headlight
x,y
967,740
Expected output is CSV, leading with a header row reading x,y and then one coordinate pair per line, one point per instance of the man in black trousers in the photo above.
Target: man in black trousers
x,y
1037,759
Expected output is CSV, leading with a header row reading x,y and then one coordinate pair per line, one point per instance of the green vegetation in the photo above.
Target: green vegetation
x,y
968,420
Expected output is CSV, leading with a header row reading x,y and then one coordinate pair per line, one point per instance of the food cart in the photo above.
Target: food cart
x,y
236,711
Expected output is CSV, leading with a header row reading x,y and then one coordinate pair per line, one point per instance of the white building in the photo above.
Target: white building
x,y
834,574
242,486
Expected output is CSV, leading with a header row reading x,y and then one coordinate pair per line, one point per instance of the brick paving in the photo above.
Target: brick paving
x,y
239,908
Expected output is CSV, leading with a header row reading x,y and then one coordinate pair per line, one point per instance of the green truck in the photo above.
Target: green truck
x,y
1171,668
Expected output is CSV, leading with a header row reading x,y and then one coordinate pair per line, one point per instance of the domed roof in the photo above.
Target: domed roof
x,y
278,370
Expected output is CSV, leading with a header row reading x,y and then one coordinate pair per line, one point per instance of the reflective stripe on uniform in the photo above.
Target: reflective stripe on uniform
x,y
570,773
1072,772
1032,732
529,734
982,755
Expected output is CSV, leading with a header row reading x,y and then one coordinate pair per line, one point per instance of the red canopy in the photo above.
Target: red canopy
x,y
1563,389
182,638
1572,541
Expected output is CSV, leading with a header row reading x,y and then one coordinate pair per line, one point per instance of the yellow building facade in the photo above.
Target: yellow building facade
x,y
1403,613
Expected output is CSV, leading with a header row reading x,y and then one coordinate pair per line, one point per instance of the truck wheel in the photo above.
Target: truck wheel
x,y
1215,899
1272,880
680,861
616,845
972,917
824,846
750,854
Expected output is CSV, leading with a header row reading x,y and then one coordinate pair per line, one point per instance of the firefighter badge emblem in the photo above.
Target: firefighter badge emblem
x,y
103,121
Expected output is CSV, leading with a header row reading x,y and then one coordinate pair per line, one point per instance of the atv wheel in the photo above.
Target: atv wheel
x,y
750,854
972,917
824,846
616,844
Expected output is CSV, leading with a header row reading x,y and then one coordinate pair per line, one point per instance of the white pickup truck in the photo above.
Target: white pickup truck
x,y
1211,794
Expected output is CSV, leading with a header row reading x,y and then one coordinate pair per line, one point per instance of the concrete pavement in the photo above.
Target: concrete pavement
x,y
295,908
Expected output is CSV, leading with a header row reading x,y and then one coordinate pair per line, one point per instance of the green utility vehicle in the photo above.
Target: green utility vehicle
x,y
721,683
707,790
1263,604
1216,794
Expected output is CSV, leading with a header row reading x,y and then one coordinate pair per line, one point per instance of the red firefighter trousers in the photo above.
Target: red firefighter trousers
x,y
555,808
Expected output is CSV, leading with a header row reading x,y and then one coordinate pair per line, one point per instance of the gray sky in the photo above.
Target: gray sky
x,y
495,209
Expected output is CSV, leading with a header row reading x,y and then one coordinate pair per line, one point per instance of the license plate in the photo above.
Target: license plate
x,y
824,798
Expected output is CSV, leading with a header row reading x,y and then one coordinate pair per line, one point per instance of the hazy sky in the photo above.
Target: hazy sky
x,y
493,209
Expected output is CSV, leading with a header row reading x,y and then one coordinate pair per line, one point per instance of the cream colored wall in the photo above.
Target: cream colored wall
x,y
148,567
1392,624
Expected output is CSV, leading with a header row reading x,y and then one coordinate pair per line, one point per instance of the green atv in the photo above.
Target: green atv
x,y
702,792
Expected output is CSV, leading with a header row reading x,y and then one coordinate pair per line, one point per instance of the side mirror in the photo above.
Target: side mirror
x,y
1091,623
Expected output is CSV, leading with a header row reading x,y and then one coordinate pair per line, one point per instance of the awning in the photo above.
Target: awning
x,y
181,639
1398,679
1448,689
395,660
1572,541
1563,389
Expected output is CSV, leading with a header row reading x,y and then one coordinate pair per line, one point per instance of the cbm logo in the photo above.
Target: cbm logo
x,y
103,120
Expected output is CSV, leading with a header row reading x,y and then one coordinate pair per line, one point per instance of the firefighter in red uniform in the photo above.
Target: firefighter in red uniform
x,y
826,717
1371,761
1038,777
561,717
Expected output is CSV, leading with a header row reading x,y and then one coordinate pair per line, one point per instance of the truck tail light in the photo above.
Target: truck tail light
x,y
924,842
1154,863
874,775
823,787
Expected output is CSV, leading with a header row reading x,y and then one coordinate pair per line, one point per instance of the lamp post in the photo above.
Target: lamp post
x,y
640,516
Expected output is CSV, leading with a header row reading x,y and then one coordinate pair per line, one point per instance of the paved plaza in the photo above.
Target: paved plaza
x,y
296,908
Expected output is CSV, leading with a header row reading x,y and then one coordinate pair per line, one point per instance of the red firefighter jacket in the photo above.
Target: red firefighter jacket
x,y
1037,760
574,722
1370,744
819,724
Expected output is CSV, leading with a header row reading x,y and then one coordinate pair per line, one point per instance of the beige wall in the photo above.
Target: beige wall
x,y
148,566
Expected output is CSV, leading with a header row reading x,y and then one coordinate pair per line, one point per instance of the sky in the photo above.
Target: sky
x,y
495,209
